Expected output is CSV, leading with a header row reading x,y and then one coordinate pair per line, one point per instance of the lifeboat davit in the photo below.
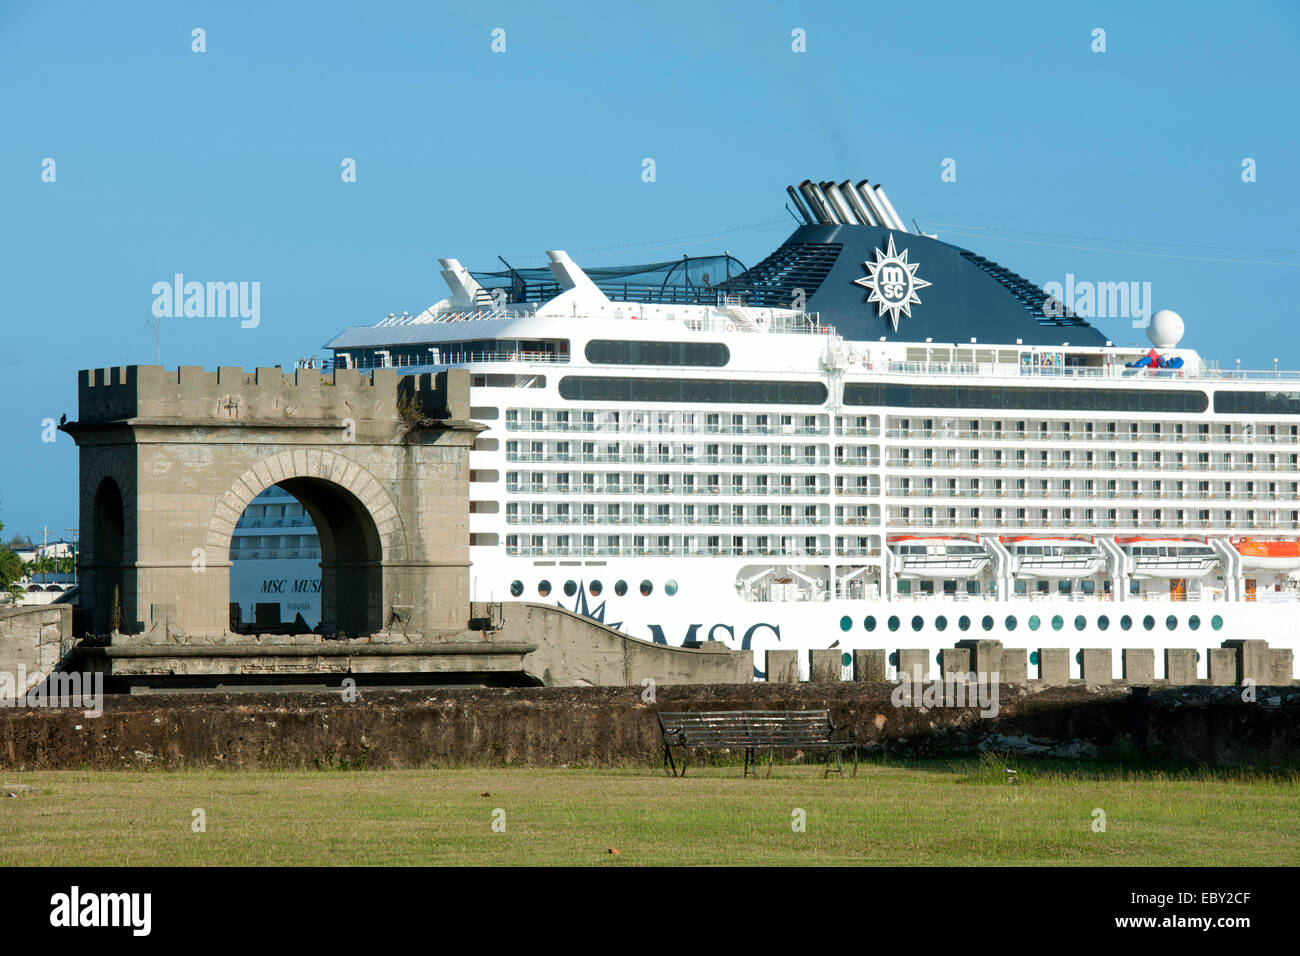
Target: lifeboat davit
x,y
921,556
1169,557
1268,554
1035,556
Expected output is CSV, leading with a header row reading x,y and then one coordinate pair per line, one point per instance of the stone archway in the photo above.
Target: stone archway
x,y
356,520
386,485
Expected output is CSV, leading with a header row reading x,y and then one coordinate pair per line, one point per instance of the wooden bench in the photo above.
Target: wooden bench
x,y
752,731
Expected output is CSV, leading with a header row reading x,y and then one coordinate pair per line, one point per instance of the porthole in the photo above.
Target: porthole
x,y
893,658
670,587
941,623
570,588
1194,622
987,622
1171,623
620,588
646,588
1148,622
544,588
1033,658
869,623
516,588
1103,623
1125,622
1216,622
1011,622
894,622
963,623
1034,622
1080,622
918,622
846,622
1058,622
595,587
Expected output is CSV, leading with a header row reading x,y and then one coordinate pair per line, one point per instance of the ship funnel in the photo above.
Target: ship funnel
x,y
855,203
798,204
889,209
840,204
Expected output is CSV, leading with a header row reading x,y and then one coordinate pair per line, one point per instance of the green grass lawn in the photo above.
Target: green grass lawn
x,y
899,814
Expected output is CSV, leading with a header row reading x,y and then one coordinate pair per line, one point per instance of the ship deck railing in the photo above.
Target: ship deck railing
x,y
590,458
1113,371
665,428
1073,435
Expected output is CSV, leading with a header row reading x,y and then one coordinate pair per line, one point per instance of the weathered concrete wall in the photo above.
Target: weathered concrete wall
x,y
545,726
34,638
170,460
1236,662
574,651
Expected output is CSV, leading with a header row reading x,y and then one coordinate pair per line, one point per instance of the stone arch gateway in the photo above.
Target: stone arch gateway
x,y
170,460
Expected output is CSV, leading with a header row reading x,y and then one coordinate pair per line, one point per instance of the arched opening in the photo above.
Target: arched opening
x,y
275,579
108,602
306,556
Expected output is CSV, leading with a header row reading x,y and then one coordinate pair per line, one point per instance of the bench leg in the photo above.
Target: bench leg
x,y
749,752
855,760
668,760
838,766
686,758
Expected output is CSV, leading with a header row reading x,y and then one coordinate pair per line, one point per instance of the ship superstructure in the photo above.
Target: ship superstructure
x,y
871,435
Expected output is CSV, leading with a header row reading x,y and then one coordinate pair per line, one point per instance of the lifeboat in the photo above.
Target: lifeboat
x,y
1169,557
1265,554
938,557
1034,556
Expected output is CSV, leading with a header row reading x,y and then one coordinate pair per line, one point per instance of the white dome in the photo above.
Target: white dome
x,y
1166,329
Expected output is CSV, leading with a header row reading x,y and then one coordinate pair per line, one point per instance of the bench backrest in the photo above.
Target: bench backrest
x,y
747,727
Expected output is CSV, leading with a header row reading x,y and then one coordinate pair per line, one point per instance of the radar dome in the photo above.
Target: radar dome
x,y
1166,329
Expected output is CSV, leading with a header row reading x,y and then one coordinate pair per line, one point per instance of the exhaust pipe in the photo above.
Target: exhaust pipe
x,y
798,204
814,202
868,197
832,217
841,205
855,203
889,208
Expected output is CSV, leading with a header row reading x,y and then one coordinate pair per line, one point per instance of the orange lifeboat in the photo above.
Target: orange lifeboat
x,y
1268,554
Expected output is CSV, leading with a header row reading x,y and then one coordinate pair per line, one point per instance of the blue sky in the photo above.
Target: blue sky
x,y
225,165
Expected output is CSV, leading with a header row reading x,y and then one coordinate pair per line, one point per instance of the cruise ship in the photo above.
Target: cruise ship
x,y
871,438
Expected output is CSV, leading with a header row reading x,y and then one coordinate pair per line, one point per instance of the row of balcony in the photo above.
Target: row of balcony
x,y
1030,464
665,429
671,459
609,520
759,490
1031,434
1096,494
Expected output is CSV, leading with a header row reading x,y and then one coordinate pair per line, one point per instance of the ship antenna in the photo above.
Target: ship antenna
x,y
792,215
